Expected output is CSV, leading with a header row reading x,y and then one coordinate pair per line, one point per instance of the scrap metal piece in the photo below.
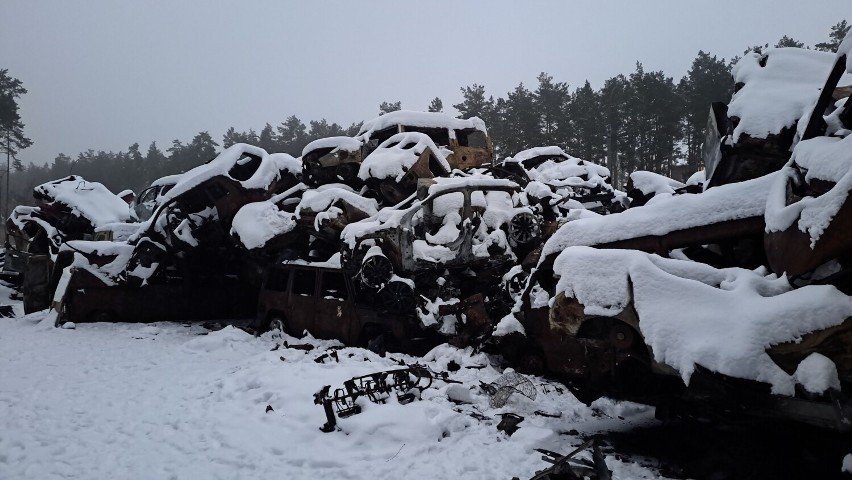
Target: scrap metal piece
x,y
509,423
377,387
568,467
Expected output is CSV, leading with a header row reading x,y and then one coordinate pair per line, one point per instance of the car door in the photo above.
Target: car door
x,y
300,314
334,315
36,283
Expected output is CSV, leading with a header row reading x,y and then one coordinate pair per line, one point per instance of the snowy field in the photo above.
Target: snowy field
x,y
173,401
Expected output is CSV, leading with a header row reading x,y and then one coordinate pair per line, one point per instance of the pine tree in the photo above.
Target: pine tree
x,y
436,105
292,136
551,100
614,97
475,104
267,140
12,138
786,41
588,132
387,107
708,80
838,33
521,120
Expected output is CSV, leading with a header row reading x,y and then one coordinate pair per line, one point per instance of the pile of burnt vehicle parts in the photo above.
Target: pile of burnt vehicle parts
x,y
424,242
734,300
67,209
183,253
405,384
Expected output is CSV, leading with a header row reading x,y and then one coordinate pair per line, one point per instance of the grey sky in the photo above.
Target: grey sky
x,y
105,74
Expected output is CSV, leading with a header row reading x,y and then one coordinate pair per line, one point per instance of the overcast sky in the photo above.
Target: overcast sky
x,y
106,74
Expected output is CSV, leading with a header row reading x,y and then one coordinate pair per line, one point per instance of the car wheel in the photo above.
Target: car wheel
x,y
523,228
376,271
398,297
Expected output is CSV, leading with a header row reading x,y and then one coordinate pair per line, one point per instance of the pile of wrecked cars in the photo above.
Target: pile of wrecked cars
x,y
727,293
735,300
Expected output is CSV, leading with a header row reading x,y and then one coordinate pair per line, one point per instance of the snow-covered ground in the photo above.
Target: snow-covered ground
x,y
172,401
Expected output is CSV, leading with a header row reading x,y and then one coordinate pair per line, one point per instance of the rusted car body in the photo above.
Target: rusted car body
x,y
792,250
88,299
323,301
332,160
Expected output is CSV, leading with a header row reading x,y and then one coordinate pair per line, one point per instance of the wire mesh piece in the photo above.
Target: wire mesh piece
x,y
509,383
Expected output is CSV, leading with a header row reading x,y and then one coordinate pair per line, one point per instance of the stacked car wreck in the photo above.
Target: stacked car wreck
x,y
729,292
732,300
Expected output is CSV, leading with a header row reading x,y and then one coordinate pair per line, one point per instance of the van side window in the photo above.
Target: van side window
x,y
278,280
304,282
333,286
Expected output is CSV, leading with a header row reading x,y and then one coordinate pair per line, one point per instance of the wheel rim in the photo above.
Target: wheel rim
x,y
515,285
398,297
376,271
523,228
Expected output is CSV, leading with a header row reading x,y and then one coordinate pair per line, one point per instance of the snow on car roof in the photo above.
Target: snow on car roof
x,y
269,170
529,153
693,314
570,173
779,93
89,200
167,180
419,119
653,183
483,183
397,154
347,144
719,204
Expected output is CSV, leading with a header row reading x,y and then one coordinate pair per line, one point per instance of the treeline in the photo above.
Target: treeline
x,y
644,120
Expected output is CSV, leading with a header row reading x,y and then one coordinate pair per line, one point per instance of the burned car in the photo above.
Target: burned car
x,y
561,182
754,133
319,298
391,172
143,206
461,143
300,222
186,242
332,160
67,209
455,238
